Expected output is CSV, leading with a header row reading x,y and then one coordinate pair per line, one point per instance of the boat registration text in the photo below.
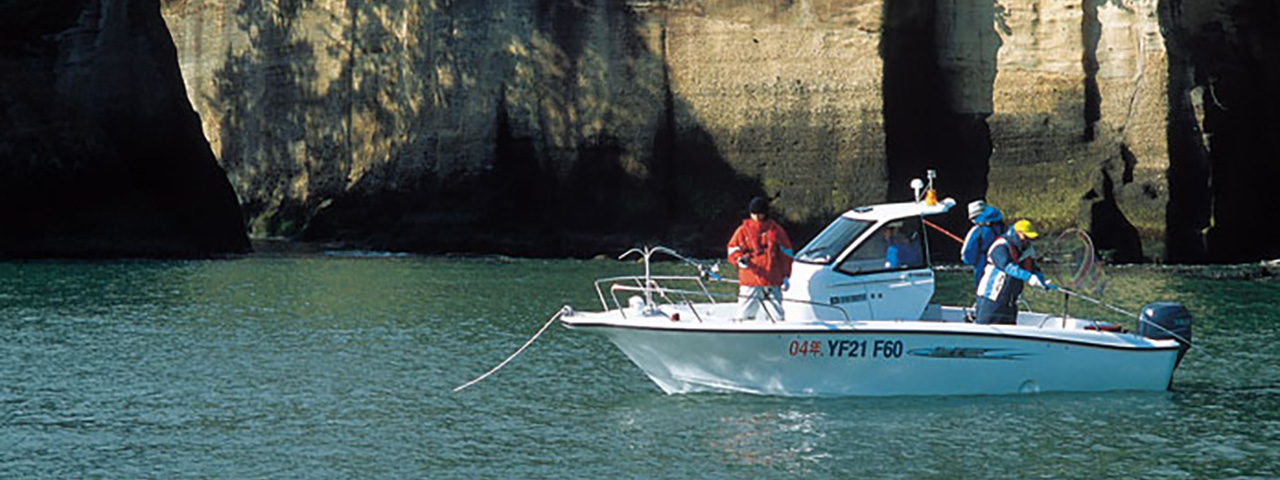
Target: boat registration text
x,y
846,348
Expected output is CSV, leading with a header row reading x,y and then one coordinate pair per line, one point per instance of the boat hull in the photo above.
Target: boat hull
x,y
889,358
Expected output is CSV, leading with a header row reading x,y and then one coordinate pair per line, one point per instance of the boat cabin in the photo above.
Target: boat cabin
x,y
870,263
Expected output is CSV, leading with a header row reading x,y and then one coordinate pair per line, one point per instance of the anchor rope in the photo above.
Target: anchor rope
x,y
517,352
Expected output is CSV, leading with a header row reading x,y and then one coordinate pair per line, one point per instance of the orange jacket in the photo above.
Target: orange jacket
x,y
762,243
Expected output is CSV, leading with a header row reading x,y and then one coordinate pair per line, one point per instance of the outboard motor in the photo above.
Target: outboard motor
x,y
1167,320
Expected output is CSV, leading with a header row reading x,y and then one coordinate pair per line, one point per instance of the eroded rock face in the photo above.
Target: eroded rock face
x,y
100,152
553,127
1076,112
418,123
527,126
1079,115
1099,114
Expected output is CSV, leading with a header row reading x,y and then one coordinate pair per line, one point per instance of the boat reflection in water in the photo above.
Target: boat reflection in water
x,y
786,438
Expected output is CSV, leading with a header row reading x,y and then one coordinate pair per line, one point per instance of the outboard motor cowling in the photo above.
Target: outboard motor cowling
x,y
1167,320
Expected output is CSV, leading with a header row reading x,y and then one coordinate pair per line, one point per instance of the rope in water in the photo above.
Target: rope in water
x,y
517,352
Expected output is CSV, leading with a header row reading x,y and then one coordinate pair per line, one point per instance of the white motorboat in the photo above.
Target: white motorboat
x,y
856,326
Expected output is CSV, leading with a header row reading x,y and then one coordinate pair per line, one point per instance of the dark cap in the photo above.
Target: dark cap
x,y
759,205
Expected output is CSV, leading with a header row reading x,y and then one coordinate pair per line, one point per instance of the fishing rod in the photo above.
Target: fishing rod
x,y
705,268
1125,312
944,231
1097,302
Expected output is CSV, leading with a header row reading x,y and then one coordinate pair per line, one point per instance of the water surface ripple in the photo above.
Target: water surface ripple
x,y
341,367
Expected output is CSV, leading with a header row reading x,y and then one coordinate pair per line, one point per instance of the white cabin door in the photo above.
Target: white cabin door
x,y
900,295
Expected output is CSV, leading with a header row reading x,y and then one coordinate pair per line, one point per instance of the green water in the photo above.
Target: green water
x,y
342,366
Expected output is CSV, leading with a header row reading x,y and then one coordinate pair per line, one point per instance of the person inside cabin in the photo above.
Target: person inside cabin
x,y
988,224
762,251
1010,263
900,251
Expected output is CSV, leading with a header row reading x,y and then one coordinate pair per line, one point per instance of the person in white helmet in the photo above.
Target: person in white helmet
x,y
988,225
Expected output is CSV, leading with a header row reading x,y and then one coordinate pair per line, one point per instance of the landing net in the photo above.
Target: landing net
x,y
1070,260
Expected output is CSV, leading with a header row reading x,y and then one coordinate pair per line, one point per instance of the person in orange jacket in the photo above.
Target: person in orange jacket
x,y
762,251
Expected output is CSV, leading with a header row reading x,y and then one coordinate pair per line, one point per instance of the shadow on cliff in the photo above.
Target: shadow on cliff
x,y
926,125
101,154
1224,79
549,187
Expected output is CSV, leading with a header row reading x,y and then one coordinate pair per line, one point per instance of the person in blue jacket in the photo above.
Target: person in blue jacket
x,y
901,251
988,224
1010,263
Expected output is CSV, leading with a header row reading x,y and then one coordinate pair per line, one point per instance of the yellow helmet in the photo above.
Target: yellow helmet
x,y
1024,227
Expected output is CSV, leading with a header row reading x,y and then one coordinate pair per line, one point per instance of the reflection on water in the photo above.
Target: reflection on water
x,y
785,439
343,365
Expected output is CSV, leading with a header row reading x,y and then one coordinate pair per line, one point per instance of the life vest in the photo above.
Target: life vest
x,y
763,243
994,284
1014,253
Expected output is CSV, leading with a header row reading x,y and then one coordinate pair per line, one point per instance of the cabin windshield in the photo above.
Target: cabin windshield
x,y
897,245
832,241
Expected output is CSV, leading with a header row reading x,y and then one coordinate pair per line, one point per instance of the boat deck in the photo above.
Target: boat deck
x,y
945,321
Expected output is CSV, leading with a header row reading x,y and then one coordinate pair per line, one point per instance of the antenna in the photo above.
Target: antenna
x,y
931,195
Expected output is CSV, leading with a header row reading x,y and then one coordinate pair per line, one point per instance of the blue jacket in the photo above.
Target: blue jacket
x,y
903,253
989,226
1005,274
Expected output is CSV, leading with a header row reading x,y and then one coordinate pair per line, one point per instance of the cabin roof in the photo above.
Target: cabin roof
x,y
891,211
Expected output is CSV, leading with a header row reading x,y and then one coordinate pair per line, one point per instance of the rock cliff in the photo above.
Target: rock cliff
x,y
571,127
547,126
101,154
